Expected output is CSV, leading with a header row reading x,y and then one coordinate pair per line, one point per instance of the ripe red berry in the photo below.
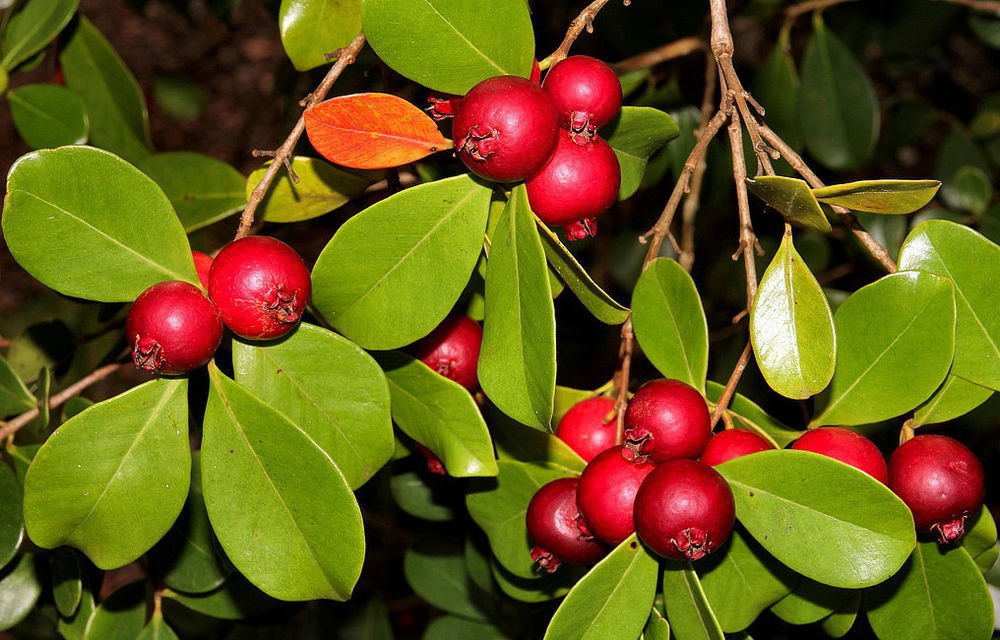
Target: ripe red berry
x,y
732,443
452,350
434,464
667,419
556,530
261,287
589,427
172,328
506,128
850,447
684,510
941,481
586,92
203,266
577,184
607,492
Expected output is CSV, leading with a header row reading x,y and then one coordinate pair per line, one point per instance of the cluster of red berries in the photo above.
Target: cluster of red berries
x,y
258,287
653,484
660,483
509,129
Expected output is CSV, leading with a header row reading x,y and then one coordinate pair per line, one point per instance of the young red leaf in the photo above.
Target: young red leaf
x,y
372,131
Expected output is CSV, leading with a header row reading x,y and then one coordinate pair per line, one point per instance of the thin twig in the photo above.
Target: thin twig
x,y
75,389
661,54
583,21
691,203
796,10
877,251
734,378
282,154
748,240
625,352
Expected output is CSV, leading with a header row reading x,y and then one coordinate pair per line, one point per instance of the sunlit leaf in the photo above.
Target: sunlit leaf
x,y
880,196
201,189
636,134
47,115
321,189
310,29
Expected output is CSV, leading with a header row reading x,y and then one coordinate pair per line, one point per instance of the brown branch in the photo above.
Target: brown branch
x,y
653,57
796,10
583,21
75,389
877,251
734,378
992,6
283,154
748,240
625,352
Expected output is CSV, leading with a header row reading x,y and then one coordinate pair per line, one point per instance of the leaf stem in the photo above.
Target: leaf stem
x,y
282,155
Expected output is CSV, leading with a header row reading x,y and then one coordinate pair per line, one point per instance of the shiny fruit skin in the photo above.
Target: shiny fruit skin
x,y
586,92
452,350
261,287
589,427
684,510
172,328
941,481
732,443
607,491
556,530
667,419
850,447
202,266
577,184
505,129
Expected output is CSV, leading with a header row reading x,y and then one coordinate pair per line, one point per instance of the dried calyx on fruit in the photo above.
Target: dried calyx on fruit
x,y
505,129
261,287
587,95
557,532
684,510
172,328
589,427
666,419
849,447
452,350
607,492
941,481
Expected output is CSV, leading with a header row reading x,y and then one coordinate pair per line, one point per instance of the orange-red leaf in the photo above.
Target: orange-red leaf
x,y
372,131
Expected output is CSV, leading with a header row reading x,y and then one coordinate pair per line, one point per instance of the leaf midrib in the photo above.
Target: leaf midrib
x,y
500,70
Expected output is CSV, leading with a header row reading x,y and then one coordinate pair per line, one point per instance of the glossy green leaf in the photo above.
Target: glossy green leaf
x,y
515,441
328,386
517,362
838,108
451,627
543,588
393,272
47,115
792,198
121,616
838,623
282,510
657,627
972,263
636,134
747,414
434,568
157,629
810,602
439,414
312,28
970,190
32,27
14,396
75,626
670,323
201,189
939,594
421,495
785,497
444,46
11,517
236,599
980,534
67,580
776,85
914,335
321,189
115,104
112,480
880,196
499,505
20,589
954,398
600,304
741,580
612,601
186,558
85,207
688,610
791,326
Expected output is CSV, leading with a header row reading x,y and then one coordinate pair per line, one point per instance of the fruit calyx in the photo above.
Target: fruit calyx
x,y
948,532
694,543
480,143
282,306
147,354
